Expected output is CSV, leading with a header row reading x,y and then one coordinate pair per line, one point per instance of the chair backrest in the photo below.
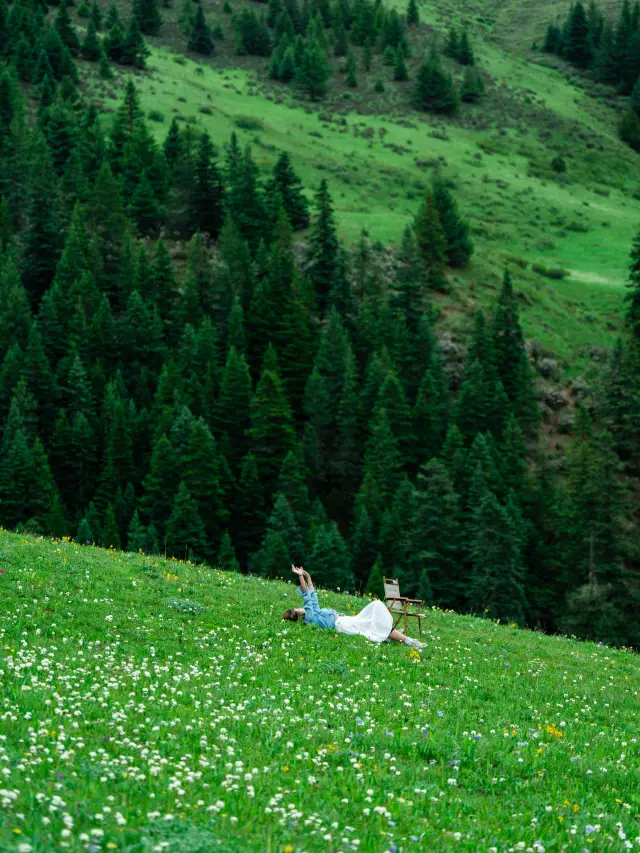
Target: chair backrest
x,y
391,590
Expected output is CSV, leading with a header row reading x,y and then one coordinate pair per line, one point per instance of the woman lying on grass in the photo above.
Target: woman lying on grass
x,y
373,622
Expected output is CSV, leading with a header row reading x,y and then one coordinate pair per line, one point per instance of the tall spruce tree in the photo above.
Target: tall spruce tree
x,y
496,587
288,184
200,40
456,231
433,89
323,248
577,44
185,537
272,433
431,241
512,361
148,14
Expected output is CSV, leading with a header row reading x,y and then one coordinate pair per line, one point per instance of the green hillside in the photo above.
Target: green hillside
x,y
154,705
379,154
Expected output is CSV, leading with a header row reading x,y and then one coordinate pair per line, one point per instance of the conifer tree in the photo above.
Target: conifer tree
x,y
292,485
512,361
288,184
15,313
185,536
312,72
96,15
113,43
201,469
577,45
227,560
340,41
272,434
148,15
200,40
329,559
400,73
272,556
362,547
134,49
472,87
207,198
91,44
375,584
434,90
413,15
465,51
42,244
431,242
286,69
316,440
351,79
249,511
437,534
282,521
323,249
107,221
382,457
367,55
496,587
65,28
246,202
232,412
85,536
428,419
632,297
136,534
110,537
456,231
161,483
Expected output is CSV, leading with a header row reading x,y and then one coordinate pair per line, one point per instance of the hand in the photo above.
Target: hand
x,y
297,571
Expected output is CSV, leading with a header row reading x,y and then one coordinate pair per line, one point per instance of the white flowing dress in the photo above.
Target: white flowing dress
x,y
373,622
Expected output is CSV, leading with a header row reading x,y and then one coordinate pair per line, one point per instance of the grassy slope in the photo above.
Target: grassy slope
x,y
498,155
117,704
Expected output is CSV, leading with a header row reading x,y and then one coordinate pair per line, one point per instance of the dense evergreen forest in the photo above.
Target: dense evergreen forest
x,y
191,363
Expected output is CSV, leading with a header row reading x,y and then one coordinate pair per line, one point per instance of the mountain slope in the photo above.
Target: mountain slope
x,y
156,705
379,155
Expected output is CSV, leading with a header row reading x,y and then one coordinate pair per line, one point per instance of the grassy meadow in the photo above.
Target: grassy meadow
x,y
154,705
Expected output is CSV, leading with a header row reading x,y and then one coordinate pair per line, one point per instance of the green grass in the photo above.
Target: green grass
x,y
130,725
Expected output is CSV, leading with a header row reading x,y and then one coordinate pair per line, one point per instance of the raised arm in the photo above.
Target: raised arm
x,y
311,606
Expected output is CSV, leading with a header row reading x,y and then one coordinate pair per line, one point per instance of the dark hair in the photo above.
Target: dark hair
x,y
290,615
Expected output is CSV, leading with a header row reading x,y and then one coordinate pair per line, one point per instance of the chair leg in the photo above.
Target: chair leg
x,y
406,626
419,627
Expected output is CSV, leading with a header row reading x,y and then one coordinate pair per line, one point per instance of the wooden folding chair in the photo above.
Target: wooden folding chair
x,y
399,605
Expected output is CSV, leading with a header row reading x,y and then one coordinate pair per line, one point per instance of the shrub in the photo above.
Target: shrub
x,y
248,123
547,272
379,86
156,115
207,111
559,165
548,367
184,605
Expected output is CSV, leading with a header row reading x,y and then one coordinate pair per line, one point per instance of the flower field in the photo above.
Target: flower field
x,y
151,705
